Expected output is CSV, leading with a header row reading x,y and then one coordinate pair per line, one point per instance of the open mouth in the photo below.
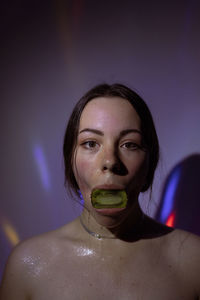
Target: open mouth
x,y
101,198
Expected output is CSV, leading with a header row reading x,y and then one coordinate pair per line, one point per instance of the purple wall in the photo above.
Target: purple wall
x,y
51,54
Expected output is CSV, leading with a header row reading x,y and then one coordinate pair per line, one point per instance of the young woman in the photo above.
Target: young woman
x,y
113,250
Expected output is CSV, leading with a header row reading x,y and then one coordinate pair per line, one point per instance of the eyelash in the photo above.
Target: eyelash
x,y
86,144
131,146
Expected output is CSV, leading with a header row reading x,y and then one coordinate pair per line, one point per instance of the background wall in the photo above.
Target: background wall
x,y
53,52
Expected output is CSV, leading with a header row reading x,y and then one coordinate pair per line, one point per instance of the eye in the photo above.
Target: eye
x,y
130,146
89,144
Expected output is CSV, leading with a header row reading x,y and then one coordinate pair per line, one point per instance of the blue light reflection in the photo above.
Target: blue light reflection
x,y
42,166
169,195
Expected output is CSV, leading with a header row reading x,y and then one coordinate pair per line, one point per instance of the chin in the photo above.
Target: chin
x,y
109,221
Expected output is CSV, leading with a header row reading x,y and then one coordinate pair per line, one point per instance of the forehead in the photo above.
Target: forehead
x,y
109,112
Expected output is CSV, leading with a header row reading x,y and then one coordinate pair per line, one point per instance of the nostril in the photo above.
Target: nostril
x,y
117,168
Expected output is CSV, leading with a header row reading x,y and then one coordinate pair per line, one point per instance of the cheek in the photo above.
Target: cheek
x,y
82,171
136,162
138,169
81,166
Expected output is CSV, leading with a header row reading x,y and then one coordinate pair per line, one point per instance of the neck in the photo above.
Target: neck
x,y
127,229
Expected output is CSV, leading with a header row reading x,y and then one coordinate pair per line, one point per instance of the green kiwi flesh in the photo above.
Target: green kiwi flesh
x,y
109,198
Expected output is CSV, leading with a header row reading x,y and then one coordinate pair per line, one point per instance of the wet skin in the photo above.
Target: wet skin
x,y
145,260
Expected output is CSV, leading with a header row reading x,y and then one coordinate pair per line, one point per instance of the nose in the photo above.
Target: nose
x,y
108,165
112,163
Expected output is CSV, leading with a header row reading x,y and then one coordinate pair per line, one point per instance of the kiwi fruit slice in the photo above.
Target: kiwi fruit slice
x,y
109,198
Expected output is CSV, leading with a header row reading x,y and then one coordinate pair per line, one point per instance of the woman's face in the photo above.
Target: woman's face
x,y
109,153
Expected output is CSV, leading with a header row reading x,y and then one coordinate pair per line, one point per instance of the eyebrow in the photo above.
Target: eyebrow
x,y
122,133
92,130
127,131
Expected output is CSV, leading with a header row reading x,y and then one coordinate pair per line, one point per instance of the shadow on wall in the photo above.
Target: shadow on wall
x,y
180,200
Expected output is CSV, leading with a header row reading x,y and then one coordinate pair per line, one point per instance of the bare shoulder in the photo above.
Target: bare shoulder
x,y
179,247
183,248
41,249
186,244
33,258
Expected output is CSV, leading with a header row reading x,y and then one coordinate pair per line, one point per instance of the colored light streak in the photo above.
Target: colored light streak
x,y
169,195
171,220
10,233
81,198
42,166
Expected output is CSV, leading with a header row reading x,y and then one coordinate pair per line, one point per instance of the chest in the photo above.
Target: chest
x,y
113,278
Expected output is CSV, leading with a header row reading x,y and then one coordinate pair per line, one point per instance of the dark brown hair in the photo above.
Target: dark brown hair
x,y
147,128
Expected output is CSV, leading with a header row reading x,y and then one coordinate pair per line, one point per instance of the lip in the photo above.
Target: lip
x,y
108,187
110,211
